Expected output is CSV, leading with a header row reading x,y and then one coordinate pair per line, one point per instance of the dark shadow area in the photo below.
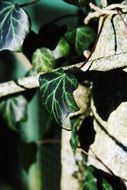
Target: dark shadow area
x,y
86,133
48,37
6,65
44,13
10,169
109,90
116,182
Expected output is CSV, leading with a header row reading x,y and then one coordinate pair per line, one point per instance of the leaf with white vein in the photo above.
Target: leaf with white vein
x,y
57,93
14,26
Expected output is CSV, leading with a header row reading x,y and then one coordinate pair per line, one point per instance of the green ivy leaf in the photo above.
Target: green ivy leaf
x,y
14,110
85,36
90,182
70,36
81,38
79,3
74,133
14,26
57,93
106,185
62,49
43,60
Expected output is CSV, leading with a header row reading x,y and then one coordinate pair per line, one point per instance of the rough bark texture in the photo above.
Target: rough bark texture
x,y
68,160
110,101
111,48
69,167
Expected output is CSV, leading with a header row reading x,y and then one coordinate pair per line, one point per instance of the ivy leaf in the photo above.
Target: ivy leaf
x,y
70,36
74,133
79,3
43,60
57,93
14,26
90,182
14,110
93,177
106,185
84,36
62,49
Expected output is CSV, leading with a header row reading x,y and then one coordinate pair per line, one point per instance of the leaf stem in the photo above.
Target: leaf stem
x,y
94,156
49,141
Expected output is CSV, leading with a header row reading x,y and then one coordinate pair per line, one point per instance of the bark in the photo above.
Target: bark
x,y
110,102
73,164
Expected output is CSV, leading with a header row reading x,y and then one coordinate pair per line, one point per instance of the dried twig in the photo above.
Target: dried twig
x,y
109,10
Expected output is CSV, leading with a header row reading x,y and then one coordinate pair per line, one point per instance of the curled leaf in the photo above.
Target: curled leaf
x,y
14,110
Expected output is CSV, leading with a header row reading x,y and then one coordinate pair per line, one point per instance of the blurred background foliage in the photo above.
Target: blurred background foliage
x,y
27,159
30,150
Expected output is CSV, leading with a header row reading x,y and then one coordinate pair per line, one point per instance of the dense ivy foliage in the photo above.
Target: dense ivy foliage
x,y
53,47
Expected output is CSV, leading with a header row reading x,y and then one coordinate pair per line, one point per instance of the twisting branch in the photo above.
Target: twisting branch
x,y
25,83
20,85
101,64
109,10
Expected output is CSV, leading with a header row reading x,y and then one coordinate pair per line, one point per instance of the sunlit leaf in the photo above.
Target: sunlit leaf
x,y
62,49
106,185
74,133
85,36
14,110
57,93
14,25
90,182
43,60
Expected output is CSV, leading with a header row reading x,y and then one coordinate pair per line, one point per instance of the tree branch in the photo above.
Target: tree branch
x,y
101,64
20,85
25,83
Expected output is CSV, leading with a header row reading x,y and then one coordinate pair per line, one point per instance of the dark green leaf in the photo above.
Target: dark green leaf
x,y
43,60
70,36
62,49
14,26
28,155
90,182
79,3
74,133
85,36
81,38
14,110
106,185
57,93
